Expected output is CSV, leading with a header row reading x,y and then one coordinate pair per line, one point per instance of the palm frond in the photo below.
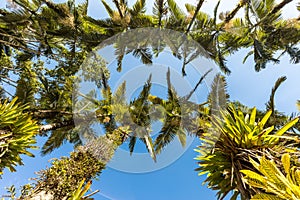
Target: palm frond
x,y
194,15
138,7
270,105
172,121
108,9
176,10
144,55
159,10
218,96
166,136
132,142
150,146
55,141
187,97
294,54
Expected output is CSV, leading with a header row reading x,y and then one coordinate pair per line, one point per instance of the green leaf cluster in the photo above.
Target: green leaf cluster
x,y
17,134
274,182
240,137
65,174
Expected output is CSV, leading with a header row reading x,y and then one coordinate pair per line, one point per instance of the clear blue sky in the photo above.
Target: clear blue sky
x,y
178,181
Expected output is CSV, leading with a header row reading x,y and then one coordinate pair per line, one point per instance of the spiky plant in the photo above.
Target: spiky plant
x,y
17,134
276,183
240,137
81,190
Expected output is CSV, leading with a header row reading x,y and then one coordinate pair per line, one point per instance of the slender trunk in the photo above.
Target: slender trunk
x,y
55,126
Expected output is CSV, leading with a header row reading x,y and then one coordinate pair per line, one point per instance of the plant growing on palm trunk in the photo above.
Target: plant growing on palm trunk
x,y
64,177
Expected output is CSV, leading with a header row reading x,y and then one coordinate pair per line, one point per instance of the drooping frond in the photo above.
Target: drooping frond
x,y
197,85
159,10
150,146
139,110
261,55
108,9
270,105
294,54
218,96
144,55
138,7
194,14
172,121
166,136
55,140
176,10
132,142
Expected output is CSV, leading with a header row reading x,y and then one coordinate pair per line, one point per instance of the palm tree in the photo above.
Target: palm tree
x,y
64,34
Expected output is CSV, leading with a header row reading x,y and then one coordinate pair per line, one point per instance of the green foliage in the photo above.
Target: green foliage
x,y
172,120
274,182
81,190
63,34
270,103
218,96
17,134
11,192
65,174
138,7
159,10
59,28
27,85
240,137
139,110
176,10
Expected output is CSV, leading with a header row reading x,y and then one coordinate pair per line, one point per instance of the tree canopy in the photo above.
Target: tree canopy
x,y
45,45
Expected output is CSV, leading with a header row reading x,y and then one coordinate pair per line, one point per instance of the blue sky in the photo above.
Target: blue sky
x,y
179,181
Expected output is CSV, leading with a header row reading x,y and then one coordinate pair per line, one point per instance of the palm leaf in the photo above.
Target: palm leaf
x,y
263,196
144,55
138,7
270,104
200,2
108,9
132,142
175,10
166,136
159,10
150,147
218,96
